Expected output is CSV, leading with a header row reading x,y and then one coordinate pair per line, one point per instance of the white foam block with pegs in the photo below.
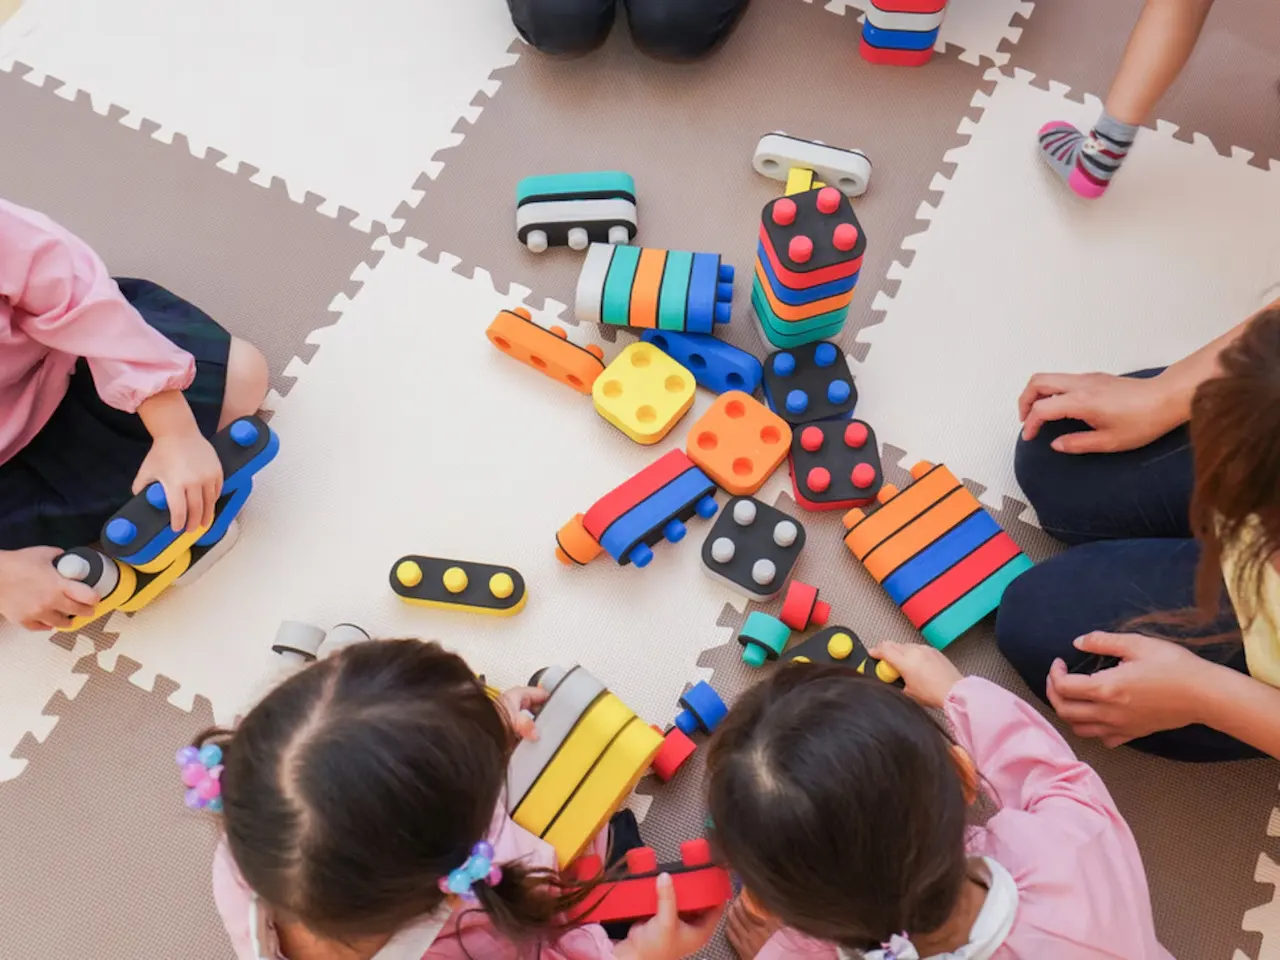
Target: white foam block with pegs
x,y
847,170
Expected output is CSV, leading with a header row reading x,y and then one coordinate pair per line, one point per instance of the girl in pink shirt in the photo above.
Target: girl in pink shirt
x,y
105,386
844,807
362,807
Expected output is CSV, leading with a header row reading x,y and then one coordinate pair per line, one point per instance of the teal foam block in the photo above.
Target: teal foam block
x,y
974,605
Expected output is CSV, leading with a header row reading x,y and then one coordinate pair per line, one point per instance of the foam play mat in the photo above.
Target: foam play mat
x,y
336,182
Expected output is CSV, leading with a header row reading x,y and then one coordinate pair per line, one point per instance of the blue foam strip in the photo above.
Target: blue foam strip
x,y
899,39
154,547
940,556
715,365
704,278
798,298
652,513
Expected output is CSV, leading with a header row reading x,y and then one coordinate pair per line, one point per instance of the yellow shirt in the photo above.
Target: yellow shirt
x,y
1262,635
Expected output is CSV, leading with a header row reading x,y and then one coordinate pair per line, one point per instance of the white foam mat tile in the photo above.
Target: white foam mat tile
x,y
32,671
1016,275
409,433
977,27
344,100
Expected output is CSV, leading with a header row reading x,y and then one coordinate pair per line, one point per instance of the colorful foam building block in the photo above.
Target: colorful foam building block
x,y
699,884
643,392
938,554
575,209
549,351
901,32
835,465
590,752
654,289
652,506
777,154
763,637
752,548
675,752
459,585
739,442
808,260
702,709
801,607
715,365
115,583
810,383
840,645
139,533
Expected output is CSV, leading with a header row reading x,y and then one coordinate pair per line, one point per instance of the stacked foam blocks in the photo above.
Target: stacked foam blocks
x,y
807,263
901,32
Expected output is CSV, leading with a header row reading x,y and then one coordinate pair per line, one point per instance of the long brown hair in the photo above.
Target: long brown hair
x,y
838,801
1235,504
359,782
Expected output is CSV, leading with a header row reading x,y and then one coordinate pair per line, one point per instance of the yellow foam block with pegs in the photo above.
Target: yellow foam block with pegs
x,y
603,790
643,393
578,753
149,590
459,585
113,581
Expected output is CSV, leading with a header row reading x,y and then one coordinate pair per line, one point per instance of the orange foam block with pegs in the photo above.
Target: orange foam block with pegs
x,y
548,351
700,885
739,442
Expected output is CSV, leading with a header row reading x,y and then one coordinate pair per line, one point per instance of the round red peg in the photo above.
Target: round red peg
x,y
828,200
800,249
818,479
855,434
845,237
811,439
784,212
864,475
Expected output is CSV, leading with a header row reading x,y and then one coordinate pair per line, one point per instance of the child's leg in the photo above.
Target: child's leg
x,y
246,381
1158,49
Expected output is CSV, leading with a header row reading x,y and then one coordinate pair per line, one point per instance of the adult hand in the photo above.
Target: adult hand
x,y
1124,412
189,471
929,675
667,936
35,595
747,929
516,702
1153,688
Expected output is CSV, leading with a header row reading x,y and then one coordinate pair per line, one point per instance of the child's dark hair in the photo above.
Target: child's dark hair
x,y
359,782
838,801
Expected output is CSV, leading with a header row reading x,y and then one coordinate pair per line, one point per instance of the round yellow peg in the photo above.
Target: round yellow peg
x,y
455,580
840,646
801,660
886,672
501,585
409,573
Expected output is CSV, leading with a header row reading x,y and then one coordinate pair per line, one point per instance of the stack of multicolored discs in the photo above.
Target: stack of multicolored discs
x,y
807,265
901,32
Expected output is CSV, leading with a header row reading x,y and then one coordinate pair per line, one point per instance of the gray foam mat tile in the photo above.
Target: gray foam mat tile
x,y
687,134
263,266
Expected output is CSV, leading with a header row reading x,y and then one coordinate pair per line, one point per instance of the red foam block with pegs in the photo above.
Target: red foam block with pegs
x,y
802,609
675,750
699,884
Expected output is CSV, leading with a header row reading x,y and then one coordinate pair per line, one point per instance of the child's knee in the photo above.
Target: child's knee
x,y
247,379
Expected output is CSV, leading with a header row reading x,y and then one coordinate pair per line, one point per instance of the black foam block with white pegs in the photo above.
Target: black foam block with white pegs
x,y
835,465
753,547
810,383
841,646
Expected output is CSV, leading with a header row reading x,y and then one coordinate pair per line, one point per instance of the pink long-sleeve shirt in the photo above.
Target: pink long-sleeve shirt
x,y
457,939
1081,889
58,303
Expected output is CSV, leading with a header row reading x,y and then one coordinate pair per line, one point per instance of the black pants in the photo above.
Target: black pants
x,y
675,29
1127,516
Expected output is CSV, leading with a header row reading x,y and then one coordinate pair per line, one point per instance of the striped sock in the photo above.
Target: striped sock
x,y
1087,163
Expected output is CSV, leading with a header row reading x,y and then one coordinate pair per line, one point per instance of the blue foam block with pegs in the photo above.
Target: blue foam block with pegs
x,y
715,365
629,537
703,709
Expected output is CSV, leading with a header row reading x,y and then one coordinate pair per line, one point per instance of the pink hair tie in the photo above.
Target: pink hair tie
x,y
202,776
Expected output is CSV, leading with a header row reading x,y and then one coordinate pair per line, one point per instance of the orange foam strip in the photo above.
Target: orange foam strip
x,y
645,288
549,352
921,532
911,502
787,312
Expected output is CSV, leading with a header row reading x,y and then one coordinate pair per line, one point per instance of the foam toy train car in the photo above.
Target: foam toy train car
x,y
835,465
716,365
739,442
459,585
901,32
114,582
840,645
651,506
752,548
941,557
575,209
654,289
139,533
810,383
700,885
643,393
590,752
548,351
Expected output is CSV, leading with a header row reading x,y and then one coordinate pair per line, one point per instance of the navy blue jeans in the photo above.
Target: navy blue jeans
x,y
1125,516
672,29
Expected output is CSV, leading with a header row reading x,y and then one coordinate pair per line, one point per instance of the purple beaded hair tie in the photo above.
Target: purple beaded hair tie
x,y
479,866
202,776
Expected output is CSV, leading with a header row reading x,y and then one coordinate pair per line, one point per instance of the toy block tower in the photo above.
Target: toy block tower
x,y
942,558
901,32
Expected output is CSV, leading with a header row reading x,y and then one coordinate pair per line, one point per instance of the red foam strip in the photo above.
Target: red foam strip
x,y
637,899
884,56
644,484
960,579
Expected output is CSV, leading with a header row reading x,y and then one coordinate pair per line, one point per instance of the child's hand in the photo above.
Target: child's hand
x,y
34,594
928,674
666,936
185,464
515,702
